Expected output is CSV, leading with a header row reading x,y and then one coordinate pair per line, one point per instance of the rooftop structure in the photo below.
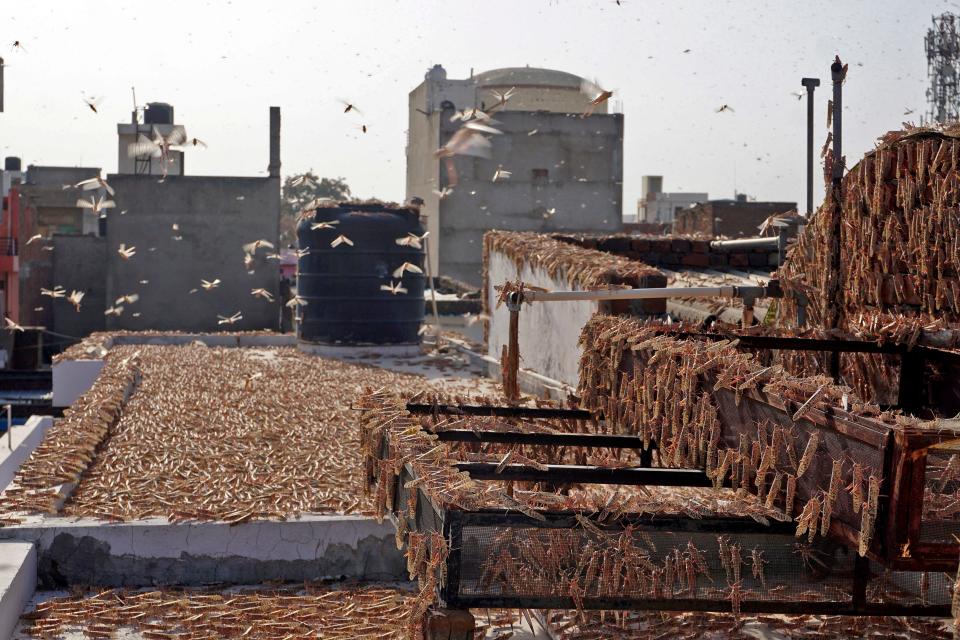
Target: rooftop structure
x,y
565,172
658,207
736,218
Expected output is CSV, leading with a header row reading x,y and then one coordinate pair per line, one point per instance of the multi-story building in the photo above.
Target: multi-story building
x,y
566,170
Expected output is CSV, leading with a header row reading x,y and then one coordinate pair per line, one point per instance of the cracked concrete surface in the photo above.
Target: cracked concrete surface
x,y
156,552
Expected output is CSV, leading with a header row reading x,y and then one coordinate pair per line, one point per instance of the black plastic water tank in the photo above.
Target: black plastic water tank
x,y
341,285
12,163
158,113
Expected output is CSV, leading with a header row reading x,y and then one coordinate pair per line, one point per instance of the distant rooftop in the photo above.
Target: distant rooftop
x,y
528,76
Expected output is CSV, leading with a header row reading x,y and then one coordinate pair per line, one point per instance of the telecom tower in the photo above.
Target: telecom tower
x,y
943,67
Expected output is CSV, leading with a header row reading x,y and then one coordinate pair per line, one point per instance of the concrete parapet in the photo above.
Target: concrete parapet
x,y
25,439
18,581
157,552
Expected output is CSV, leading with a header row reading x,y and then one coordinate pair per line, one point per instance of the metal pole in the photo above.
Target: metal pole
x,y
810,84
838,72
511,364
433,289
10,427
655,293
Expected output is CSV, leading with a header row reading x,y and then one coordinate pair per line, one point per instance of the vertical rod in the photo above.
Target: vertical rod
x,y
511,365
810,84
433,289
10,427
838,72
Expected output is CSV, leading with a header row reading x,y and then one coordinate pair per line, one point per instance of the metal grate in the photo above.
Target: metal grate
x,y
940,522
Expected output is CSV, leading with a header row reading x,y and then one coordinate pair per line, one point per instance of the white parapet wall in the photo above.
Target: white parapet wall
x,y
549,332
18,581
25,438
71,378
155,551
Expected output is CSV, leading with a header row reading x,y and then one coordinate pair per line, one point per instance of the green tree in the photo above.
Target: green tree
x,y
298,192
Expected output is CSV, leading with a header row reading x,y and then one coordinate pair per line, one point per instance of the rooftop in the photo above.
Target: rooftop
x,y
527,76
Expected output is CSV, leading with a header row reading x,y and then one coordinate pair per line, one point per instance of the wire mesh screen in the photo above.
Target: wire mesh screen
x,y
860,458
940,522
925,588
674,565
646,563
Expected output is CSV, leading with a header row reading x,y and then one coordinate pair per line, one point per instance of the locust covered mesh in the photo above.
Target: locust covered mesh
x,y
647,563
909,587
940,522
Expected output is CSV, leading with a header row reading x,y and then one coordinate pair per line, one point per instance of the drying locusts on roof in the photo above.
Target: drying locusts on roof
x,y
358,613
278,437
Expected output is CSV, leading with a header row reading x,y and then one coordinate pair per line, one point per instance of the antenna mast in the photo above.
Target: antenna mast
x,y
943,68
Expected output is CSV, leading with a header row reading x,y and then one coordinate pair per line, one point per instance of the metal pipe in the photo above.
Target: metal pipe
x,y
587,474
433,289
727,291
511,364
838,72
771,242
10,427
810,84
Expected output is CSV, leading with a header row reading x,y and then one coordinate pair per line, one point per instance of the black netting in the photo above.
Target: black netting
x,y
909,587
649,563
940,522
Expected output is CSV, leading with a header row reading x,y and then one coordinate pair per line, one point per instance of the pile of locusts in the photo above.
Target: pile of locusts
x,y
304,612
584,268
71,443
899,241
668,391
393,439
598,558
204,433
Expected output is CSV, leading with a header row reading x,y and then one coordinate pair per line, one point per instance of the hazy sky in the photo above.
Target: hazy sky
x,y
222,64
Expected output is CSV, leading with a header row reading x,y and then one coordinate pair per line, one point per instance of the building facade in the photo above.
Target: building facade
x,y
78,249
737,218
566,170
657,207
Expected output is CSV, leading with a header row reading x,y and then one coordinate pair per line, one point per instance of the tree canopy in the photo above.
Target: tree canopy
x,y
298,191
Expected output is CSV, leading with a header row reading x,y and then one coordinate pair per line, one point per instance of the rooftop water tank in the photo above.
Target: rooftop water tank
x,y
344,287
11,163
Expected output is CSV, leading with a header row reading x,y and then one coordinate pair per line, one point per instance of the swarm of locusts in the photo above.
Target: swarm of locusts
x,y
900,239
899,246
674,393
600,555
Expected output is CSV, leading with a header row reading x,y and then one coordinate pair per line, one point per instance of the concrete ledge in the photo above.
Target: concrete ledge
x,y
18,581
71,378
361,350
26,438
209,339
157,552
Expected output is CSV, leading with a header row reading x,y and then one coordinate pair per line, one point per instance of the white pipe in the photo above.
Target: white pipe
x,y
746,243
727,291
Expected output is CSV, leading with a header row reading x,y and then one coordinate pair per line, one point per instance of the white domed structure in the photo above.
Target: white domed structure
x,y
537,89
